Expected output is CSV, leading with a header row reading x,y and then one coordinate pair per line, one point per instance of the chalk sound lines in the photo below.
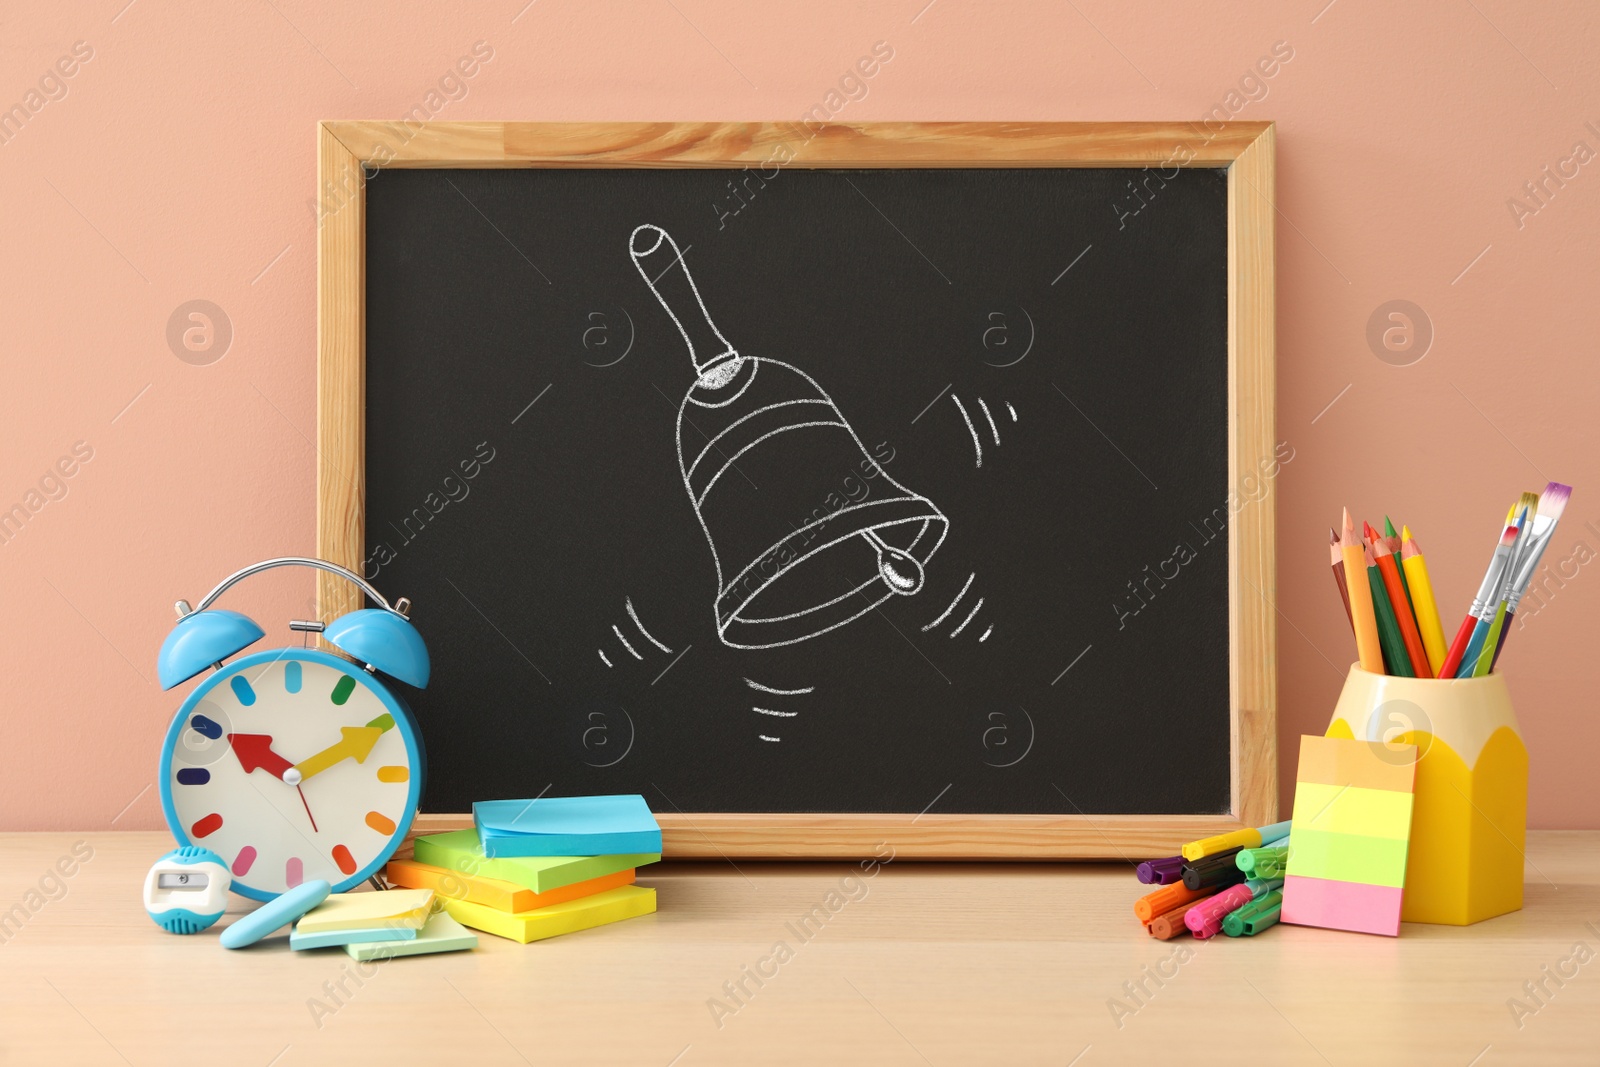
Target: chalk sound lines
x,y
972,427
969,612
778,692
775,713
627,603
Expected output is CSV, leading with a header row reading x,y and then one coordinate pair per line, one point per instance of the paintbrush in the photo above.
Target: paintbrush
x,y
1552,502
1491,582
1488,602
1491,640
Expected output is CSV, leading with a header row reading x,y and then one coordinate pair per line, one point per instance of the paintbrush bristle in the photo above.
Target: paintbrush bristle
x,y
1554,500
1509,536
1531,502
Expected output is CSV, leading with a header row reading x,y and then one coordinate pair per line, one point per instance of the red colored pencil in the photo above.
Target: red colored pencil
x,y
1336,558
1402,608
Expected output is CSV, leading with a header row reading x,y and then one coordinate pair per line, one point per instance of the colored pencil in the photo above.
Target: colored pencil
x,y
1552,502
1336,559
1392,644
1363,620
1426,609
1491,603
1392,539
1390,571
1458,647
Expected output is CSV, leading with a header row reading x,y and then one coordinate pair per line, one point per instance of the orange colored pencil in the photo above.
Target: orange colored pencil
x,y
1402,608
1362,619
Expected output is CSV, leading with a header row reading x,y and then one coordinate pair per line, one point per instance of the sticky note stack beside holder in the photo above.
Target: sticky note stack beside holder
x,y
533,869
1346,866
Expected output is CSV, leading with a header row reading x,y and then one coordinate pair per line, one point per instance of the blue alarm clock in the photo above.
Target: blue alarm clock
x,y
293,764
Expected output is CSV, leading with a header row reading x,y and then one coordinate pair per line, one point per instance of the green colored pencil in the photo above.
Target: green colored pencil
x,y
1395,657
1394,546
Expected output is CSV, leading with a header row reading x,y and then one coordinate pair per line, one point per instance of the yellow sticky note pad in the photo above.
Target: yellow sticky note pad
x,y
394,908
1352,809
582,914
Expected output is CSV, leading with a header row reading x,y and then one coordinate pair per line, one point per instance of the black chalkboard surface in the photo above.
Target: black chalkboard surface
x,y
951,535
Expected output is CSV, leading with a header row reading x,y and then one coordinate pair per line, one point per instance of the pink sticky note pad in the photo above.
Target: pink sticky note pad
x,y
1364,909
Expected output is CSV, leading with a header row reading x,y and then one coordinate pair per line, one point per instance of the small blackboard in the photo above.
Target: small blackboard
x,y
813,490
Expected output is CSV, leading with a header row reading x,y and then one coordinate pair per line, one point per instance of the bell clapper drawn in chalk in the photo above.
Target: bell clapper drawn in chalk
x,y
761,447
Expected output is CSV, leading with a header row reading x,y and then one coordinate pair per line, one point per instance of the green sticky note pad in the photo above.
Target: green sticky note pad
x,y
441,934
459,850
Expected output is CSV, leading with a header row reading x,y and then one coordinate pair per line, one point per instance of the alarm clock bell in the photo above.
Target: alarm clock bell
x,y
381,638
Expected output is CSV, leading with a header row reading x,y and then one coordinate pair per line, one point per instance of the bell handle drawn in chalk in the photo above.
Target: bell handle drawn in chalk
x,y
661,264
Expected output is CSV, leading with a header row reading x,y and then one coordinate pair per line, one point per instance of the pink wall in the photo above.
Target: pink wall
x,y
179,163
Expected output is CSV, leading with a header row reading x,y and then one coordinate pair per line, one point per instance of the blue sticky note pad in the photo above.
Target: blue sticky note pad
x,y
275,914
340,938
567,826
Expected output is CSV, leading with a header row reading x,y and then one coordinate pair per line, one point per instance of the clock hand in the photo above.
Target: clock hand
x,y
355,742
255,752
310,816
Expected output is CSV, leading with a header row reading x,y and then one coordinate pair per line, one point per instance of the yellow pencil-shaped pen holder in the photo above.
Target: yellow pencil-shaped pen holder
x,y
1470,817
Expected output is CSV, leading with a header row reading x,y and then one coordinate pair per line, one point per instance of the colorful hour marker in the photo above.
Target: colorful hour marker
x,y
244,861
383,722
206,826
394,774
242,690
294,872
206,727
381,823
193,776
291,676
346,862
342,691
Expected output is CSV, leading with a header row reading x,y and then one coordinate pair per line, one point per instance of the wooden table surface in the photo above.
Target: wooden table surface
x,y
919,964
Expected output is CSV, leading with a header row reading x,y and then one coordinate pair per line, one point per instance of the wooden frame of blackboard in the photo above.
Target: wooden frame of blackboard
x,y
349,150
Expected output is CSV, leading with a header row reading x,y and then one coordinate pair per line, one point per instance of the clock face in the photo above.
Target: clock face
x,y
292,765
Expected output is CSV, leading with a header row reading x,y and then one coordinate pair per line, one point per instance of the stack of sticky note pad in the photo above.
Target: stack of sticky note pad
x,y
403,922
533,869
1352,835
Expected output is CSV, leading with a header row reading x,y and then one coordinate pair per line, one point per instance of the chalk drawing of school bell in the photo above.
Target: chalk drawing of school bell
x,y
763,451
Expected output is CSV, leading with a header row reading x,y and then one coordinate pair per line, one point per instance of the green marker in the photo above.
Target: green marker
x,y
1267,862
1260,887
1255,916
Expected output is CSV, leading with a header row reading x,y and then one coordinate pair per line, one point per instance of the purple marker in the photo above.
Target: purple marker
x,y
1162,871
